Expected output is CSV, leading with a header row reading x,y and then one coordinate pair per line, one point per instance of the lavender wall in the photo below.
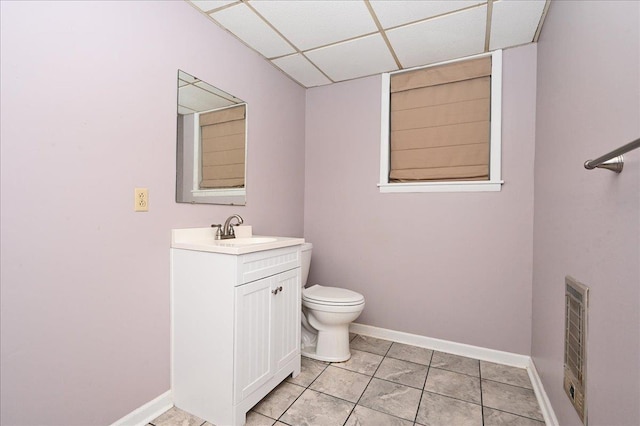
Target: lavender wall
x,y
88,113
454,266
587,223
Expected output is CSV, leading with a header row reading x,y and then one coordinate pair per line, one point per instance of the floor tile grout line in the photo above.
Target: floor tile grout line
x,y
415,362
406,360
327,365
415,419
453,371
298,397
356,404
371,377
396,383
401,384
449,396
452,397
481,396
337,397
501,410
368,383
351,371
410,362
517,415
508,384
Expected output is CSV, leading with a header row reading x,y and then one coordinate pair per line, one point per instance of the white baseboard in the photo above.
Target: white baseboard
x,y
149,411
477,352
543,400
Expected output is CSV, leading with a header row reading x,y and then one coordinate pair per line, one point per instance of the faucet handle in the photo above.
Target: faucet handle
x,y
218,231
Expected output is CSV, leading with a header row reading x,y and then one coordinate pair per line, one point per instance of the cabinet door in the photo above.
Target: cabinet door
x,y
253,316
286,317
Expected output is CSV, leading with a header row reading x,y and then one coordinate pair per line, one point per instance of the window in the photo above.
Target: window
x,y
222,148
220,154
441,127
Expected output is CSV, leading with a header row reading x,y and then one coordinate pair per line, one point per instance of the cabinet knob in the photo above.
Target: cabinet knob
x,y
276,290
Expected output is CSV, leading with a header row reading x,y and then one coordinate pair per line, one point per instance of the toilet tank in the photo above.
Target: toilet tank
x,y
306,262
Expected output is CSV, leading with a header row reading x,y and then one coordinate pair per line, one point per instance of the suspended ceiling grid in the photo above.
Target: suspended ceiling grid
x,y
319,42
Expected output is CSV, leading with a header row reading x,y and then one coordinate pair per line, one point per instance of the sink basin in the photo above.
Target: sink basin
x,y
202,239
247,241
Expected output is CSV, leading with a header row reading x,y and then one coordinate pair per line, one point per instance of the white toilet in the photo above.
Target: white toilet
x,y
326,315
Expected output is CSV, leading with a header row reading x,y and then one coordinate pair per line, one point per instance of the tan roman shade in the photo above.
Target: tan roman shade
x,y
222,136
440,122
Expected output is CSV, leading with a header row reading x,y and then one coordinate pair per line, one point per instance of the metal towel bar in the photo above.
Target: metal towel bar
x,y
613,160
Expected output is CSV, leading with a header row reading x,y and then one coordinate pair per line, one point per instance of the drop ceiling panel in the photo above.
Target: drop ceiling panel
x,y
400,12
310,24
206,87
194,98
301,70
447,37
514,22
339,61
248,27
184,78
184,110
209,5
341,37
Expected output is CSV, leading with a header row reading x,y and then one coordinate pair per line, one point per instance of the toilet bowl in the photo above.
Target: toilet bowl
x,y
327,313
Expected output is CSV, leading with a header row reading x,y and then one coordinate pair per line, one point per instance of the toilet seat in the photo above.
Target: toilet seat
x,y
331,296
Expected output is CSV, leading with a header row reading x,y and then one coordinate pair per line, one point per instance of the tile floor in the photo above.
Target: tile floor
x,y
392,384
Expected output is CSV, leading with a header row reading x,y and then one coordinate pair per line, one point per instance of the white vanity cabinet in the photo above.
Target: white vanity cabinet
x,y
235,329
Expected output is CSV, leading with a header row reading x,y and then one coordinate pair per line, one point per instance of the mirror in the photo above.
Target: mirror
x,y
212,134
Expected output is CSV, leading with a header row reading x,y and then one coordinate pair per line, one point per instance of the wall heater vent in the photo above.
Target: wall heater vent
x,y
575,344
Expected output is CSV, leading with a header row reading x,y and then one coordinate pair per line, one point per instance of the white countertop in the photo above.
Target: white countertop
x,y
203,239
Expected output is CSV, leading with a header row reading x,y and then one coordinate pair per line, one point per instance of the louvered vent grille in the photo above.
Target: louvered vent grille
x,y
576,298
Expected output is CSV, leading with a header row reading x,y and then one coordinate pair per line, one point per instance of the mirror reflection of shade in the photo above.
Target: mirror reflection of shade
x,y
211,155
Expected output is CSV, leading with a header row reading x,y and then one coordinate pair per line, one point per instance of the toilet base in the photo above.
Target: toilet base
x,y
310,352
332,345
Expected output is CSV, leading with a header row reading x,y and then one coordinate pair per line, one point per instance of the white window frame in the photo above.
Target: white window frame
x,y
235,195
495,166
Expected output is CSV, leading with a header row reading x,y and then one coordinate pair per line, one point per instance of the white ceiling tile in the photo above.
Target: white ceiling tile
x,y
185,110
447,37
184,78
301,70
400,12
217,92
514,22
208,5
310,24
194,98
352,59
248,27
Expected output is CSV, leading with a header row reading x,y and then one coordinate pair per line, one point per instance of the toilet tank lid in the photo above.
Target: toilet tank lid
x,y
331,294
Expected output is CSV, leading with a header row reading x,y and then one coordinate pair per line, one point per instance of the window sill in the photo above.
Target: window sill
x,y
459,186
222,192
231,196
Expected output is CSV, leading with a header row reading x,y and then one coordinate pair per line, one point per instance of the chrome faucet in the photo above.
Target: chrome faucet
x,y
225,232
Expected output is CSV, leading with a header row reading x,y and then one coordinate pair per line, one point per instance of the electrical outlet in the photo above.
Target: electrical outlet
x,y
141,200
